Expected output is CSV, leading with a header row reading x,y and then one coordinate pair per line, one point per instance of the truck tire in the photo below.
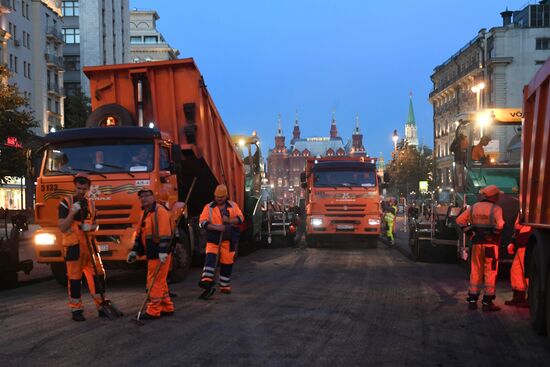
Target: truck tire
x,y
8,279
59,272
181,261
372,241
121,114
537,298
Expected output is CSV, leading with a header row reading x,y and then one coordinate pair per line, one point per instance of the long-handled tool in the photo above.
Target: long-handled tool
x,y
170,249
109,309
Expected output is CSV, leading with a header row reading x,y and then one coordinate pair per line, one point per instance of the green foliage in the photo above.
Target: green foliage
x,y
77,110
17,121
408,167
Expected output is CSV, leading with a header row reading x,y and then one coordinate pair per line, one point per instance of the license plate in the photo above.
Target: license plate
x,y
103,248
345,226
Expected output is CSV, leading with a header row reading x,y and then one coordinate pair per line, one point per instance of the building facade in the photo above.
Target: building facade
x,y
488,72
146,42
285,164
102,37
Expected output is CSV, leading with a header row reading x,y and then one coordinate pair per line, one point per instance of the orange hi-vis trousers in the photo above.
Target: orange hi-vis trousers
x,y
484,268
159,298
517,272
75,270
227,258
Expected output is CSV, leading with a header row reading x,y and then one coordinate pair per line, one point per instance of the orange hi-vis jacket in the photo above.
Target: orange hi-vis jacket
x,y
74,234
485,220
154,233
211,214
521,234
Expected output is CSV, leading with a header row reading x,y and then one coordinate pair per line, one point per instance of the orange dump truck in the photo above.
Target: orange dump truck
x,y
153,125
535,194
342,200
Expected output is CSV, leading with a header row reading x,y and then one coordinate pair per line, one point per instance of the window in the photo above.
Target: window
x,y
23,8
27,11
29,70
150,39
70,8
49,104
11,62
10,27
14,32
15,64
56,107
135,39
25,69
72,63
164,159
72,88
71,35
24,39
543,44
28,41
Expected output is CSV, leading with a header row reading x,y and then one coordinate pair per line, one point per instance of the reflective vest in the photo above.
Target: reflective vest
x,y
154,232
485,220
208,215
74,234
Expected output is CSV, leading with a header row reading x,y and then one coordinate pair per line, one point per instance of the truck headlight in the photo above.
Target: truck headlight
x,y
47,239
374,222
316,222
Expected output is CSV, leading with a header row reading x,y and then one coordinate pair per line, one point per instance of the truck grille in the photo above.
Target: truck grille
x,y
107,213
353,208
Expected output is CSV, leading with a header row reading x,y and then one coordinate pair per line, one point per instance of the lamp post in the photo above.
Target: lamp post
x,y
395,138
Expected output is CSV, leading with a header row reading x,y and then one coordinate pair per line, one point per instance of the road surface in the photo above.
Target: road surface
x,y
290,307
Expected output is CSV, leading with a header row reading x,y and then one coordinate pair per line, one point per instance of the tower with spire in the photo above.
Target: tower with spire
x,y
296,131
411,134
333,129
279,138
357,148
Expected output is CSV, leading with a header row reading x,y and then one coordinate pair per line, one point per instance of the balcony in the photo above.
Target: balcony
x,y
52,60
55,89
54,34
5,7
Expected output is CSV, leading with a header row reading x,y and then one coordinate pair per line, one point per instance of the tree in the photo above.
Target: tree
x,y
408,167
77,110
16,123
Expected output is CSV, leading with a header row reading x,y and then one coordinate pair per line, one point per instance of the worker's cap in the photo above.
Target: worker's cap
x,y
143,191
221,191
82,178
491,190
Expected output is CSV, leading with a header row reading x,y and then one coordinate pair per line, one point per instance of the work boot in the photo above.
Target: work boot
x,y
205,284
225,290
518,300
78,315
472,301
487,304
147,316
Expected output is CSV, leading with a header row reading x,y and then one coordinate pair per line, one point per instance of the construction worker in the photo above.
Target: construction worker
x,y
76,217
478,153
517,271
219,218
153,237
389,218
483,222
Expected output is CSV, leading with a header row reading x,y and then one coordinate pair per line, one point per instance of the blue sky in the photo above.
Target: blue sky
x,y
260,58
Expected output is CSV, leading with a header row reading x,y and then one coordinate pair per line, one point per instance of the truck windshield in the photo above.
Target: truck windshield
x,y
344,179
101,158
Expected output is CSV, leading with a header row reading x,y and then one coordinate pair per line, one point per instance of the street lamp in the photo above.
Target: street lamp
x,y
395,138
477,90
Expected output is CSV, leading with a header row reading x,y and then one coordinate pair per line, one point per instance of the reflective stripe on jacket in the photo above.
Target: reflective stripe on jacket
x,y
211,214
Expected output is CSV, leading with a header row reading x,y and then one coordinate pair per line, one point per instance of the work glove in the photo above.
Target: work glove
x,y
511,249
132,257
163,257
75,208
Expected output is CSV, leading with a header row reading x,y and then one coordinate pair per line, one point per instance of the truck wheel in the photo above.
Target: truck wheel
x,y
372,242
181,261
122,116
8,279
59,272
537,298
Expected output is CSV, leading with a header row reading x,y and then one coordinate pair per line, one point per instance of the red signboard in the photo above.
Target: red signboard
x,y
13,142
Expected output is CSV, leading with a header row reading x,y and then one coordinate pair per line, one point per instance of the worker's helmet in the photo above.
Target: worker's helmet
x,y
490,191
82,178
221,191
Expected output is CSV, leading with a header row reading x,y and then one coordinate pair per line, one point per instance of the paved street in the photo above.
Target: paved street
x,y
290,306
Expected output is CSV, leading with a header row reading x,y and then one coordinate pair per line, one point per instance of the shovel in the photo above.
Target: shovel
x,y
109,309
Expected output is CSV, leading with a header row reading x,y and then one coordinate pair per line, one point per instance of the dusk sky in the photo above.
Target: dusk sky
x,y
262,58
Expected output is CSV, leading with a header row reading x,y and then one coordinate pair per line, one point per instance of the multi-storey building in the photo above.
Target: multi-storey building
x,y
488,72
146,42
285,164
31,47
101,37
